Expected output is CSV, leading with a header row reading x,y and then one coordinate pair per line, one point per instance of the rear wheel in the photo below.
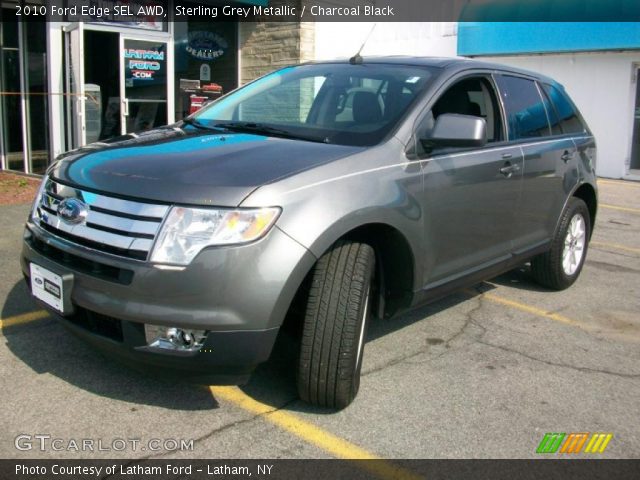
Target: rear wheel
x,y
336,317
560,267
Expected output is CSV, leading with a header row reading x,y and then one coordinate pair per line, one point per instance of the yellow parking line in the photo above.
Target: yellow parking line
x,y
529,309
310,433
622,209
622,183
615,246
24,318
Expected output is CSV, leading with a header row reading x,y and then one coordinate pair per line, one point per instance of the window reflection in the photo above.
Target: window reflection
x,y
37,99
23,75
11,106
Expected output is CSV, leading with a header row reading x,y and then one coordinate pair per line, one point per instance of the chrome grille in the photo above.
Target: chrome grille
x,y
112,225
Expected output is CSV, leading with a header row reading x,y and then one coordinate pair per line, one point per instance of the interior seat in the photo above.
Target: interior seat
x,y
366,109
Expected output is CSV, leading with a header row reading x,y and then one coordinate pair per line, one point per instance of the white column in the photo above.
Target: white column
x,y
55,78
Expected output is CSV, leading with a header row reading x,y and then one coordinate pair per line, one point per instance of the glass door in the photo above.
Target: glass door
x,y
12,99
144,84
24,98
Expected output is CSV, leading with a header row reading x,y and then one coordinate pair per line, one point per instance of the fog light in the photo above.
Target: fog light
x,y
174,338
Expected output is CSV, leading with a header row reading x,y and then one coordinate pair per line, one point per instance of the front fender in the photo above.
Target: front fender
x,y
376,186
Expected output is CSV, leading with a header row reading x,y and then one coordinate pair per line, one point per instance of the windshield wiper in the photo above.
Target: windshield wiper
x,y
196,123
253,127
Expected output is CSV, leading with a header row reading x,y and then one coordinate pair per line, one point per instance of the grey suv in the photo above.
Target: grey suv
x,y
343,191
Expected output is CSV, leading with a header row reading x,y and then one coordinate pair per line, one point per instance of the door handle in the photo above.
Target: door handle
x,y
509,169
507,156
566,156
81,98
125,107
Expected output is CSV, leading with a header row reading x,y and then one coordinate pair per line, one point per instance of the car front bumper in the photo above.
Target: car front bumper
x,y
239,295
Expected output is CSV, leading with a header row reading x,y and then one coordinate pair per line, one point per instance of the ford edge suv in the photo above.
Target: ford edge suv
x,y
342,191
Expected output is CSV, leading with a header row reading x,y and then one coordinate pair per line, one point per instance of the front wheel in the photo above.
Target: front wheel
x,y
336,318
560,267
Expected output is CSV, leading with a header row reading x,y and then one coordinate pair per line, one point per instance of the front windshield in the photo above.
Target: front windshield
x,y
333,103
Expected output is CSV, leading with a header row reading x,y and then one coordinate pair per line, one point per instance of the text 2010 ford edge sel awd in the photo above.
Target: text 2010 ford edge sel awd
x,y
343,190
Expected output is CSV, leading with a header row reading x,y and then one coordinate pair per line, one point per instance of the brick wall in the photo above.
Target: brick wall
x,y
266,46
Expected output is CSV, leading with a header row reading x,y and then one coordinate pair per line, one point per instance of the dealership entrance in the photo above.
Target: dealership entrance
x,y
117,82
68,82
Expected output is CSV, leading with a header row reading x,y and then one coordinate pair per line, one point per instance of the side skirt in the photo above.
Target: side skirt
x,y
437,290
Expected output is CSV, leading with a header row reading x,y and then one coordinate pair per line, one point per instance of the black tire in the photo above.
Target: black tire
x,y
547,268
337,311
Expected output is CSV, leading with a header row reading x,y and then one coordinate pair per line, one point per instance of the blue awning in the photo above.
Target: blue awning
x,y
551,11
508,38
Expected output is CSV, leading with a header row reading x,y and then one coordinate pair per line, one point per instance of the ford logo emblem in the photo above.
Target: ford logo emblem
x,y
72,210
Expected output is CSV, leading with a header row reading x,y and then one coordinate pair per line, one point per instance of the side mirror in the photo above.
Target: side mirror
x,y
454,130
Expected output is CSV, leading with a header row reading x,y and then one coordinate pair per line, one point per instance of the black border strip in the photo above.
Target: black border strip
x,y
356,11
545,468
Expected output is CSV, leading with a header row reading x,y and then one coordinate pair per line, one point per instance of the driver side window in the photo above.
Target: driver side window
x,y
473,96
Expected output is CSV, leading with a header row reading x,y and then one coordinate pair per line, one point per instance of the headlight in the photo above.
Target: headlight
x,y
186,231
35,217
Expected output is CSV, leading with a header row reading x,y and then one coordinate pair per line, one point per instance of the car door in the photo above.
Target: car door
x,y
549,172
470,195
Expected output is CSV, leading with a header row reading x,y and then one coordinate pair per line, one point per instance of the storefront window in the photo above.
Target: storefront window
x,y
24,99
10,100
206,63
37,99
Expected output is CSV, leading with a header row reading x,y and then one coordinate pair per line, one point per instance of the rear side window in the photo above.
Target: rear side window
x,y
554,119
569,120
526,113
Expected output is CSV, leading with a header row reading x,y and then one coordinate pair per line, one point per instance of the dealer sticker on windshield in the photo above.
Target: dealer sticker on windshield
x,y
46,286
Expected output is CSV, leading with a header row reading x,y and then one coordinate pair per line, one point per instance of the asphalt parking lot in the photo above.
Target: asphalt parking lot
x,y
484,373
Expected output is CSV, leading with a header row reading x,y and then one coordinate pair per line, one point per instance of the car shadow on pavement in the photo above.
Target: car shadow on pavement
x,y
47,347
274,382
519,278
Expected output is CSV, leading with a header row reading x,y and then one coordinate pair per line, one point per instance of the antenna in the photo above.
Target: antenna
x,y
357,58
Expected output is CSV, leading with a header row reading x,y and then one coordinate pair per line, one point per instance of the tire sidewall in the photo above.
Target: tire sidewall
x,y
335,325
575,206
359,354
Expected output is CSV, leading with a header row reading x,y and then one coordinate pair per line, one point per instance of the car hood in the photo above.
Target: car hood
x,y
190,166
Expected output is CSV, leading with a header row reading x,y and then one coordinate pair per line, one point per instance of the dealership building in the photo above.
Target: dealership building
x,y
66,84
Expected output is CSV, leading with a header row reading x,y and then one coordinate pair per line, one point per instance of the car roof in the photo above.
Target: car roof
x,y
452,64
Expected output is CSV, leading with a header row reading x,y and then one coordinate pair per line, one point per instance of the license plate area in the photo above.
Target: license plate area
x,y
48,287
